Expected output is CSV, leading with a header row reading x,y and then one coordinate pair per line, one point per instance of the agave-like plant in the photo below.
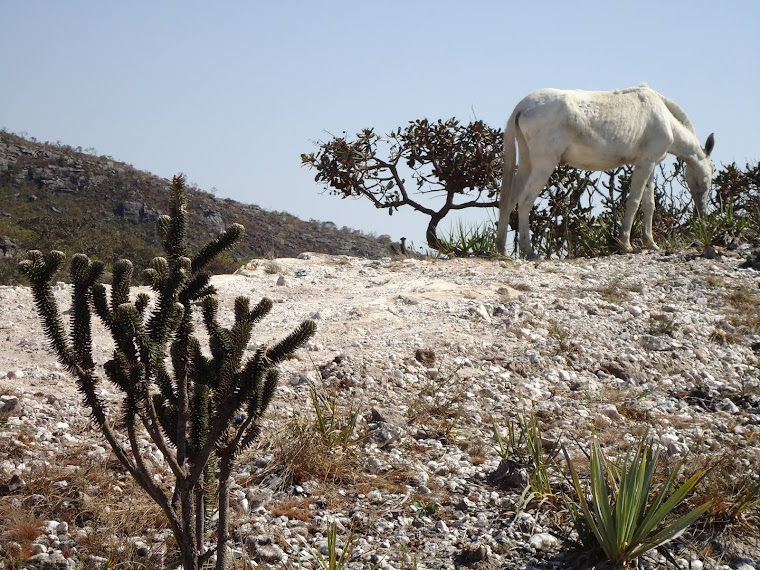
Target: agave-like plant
x,y
619,518
463,240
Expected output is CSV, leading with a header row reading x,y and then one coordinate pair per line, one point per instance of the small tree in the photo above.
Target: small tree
x,y
444,158
201,411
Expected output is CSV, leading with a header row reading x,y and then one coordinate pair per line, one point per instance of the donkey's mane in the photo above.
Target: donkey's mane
x,y
677,112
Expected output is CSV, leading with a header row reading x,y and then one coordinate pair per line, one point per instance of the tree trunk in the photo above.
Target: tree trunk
x,y
432,235
189,545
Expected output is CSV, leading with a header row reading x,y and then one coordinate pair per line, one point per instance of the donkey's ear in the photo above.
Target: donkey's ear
x,y
710,144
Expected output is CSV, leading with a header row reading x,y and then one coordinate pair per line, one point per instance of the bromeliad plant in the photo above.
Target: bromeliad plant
x,y
201,411
618,517
463,240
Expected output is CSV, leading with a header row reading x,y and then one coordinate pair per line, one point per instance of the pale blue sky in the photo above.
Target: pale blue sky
x,y
231,93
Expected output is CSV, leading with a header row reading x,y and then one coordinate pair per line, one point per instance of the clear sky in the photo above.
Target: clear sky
x,y
231,93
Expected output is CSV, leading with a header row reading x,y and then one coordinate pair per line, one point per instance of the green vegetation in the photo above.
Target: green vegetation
x,y
619,517
465,240
200,411
524,445
337,558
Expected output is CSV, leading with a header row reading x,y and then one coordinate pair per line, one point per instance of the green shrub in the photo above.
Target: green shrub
x,y
616,515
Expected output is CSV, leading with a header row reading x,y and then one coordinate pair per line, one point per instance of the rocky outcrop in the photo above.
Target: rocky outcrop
x,y
54,169
134,210
7,247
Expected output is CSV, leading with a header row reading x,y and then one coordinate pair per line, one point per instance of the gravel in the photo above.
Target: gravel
x,y
426,356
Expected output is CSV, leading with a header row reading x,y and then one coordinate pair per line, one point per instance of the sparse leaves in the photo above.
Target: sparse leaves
x,y
442,158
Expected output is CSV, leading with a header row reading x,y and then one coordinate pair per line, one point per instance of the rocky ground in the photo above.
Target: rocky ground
x,y
421,360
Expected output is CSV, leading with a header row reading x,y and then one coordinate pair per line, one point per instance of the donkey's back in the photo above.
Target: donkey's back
x,y
596,130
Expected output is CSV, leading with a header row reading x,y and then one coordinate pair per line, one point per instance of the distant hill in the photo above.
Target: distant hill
x,y
53,196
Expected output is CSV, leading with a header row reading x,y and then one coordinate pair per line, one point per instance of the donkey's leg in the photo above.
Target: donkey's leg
x,y
535,182
647,212
641,174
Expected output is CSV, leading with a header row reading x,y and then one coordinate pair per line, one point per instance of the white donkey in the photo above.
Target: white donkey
x,y
598,130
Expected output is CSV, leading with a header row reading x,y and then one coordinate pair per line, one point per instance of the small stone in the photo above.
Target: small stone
x,y
374,466
375,496
14,484
481,311
611,412
472,553
34,499
543,541
465,505
727,405
387,415
9,405
298,379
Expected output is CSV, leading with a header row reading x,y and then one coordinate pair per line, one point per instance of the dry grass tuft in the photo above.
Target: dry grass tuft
x,y
613,291
745,303
294,508
301,454
104,506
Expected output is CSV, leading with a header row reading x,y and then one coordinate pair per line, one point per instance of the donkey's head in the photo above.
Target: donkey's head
x,y
699,177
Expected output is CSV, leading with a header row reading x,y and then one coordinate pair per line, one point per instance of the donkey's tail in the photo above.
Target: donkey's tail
x,y
506,205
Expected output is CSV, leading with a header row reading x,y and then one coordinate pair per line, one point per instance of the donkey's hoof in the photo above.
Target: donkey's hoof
x,y
624,245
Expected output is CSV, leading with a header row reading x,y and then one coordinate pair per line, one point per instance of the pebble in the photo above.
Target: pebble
x,y
544,541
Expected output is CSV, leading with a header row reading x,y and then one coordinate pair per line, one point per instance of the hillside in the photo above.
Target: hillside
x,y
55,196
416,366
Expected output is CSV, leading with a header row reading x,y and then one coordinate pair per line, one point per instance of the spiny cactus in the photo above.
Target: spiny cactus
x,y
201,411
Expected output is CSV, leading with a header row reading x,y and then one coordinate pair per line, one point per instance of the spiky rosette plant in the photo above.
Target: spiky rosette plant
x,y
201,410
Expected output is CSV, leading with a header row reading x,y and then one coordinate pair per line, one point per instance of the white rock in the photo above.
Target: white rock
x,y
544,541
